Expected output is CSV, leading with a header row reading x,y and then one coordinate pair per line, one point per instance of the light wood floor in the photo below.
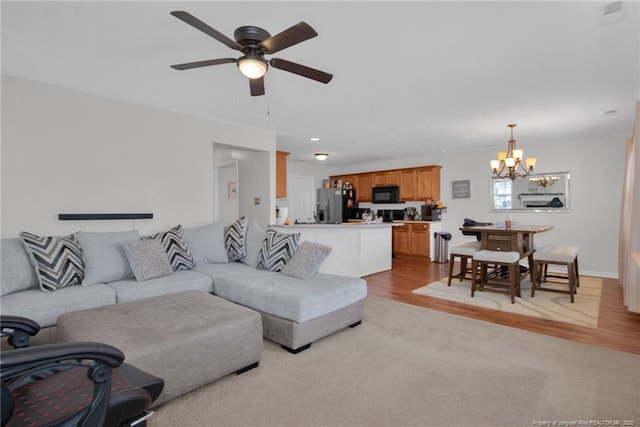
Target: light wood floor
x,y
617,327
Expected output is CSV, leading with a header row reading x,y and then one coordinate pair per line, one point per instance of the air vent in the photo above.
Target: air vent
x,y
612,7
612,12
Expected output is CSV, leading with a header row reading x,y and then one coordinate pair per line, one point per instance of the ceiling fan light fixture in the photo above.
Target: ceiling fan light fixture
x,y
252,67
321,156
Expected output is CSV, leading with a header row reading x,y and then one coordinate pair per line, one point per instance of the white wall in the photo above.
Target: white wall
x,y
596,181
65,151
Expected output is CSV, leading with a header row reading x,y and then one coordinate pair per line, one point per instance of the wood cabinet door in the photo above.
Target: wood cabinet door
x,y
420,240
281,173
385,178
363,189
428,183
402,239
407,182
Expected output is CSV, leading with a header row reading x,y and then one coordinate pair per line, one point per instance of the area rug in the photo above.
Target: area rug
x,y
546,305
411,366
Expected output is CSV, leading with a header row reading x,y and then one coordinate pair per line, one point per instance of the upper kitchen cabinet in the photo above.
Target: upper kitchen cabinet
x,y
385,178
281,174
363,188
416,184
428,183
407,182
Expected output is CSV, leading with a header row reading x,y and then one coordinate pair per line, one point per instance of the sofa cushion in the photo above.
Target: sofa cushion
x,y
277,249
253,244
306,261
57,260
130,290
177,250
206,243
45,307
234,236
147,258
16,272
216,270
103,256
287,297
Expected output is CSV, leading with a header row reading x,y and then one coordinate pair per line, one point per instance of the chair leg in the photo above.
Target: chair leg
x,y
575,265
451,260
463,268
474,276
572,280
514,276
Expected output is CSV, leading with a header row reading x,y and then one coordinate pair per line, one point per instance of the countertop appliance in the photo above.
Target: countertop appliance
x,y
385,194
329,204
390,215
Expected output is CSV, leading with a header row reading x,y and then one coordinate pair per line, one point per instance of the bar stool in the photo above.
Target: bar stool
x,y
483,259
465,252
566,256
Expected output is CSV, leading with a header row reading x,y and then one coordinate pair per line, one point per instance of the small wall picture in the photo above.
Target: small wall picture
x,y
461,189
233,193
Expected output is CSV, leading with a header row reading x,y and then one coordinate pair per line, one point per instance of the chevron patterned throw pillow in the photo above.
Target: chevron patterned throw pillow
x,y
57,260
277,249
177,250
234,238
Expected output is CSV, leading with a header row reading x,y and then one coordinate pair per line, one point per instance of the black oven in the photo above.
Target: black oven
x,y
385,194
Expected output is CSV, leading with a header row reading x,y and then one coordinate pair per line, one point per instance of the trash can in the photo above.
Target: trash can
x,y
442,246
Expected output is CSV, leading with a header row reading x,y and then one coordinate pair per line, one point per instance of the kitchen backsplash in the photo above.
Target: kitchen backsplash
x,y
385,206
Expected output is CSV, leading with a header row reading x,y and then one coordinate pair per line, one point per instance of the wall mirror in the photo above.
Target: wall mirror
x,y
544,192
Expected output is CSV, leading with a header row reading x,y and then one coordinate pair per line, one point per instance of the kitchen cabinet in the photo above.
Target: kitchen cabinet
x,y
385,178
407,182
363,189
413,239
416,184
281,174
428,183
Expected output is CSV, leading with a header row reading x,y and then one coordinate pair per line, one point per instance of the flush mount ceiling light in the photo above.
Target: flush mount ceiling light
x,y
509,163
321,156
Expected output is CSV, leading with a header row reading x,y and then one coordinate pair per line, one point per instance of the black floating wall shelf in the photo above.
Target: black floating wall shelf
x,y
103,216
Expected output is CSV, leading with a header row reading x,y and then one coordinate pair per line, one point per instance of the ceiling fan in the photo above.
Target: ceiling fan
x,y
254,43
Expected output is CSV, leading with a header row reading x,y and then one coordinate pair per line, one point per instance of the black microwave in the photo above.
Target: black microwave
x,y
385,194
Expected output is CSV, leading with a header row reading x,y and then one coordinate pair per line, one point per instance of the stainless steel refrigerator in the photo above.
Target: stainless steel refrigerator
x,y
329,206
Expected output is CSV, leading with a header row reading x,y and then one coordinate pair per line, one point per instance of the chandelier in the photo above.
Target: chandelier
x,y
509,163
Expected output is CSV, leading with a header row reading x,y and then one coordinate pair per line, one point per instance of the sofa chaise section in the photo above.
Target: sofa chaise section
x,y
295,312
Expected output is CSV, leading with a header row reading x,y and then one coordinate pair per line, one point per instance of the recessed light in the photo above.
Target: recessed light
x,y
314,138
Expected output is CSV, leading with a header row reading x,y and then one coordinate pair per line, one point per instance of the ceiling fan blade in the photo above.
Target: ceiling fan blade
x,y
289,37
205,63
196,23
256,86
301,70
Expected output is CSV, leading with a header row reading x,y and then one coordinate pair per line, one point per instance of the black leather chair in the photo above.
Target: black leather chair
x,y
70,384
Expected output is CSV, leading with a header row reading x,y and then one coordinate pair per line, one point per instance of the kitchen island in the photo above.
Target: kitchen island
x,y
358,249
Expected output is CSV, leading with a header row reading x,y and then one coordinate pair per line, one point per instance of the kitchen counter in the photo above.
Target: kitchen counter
x,y
357,249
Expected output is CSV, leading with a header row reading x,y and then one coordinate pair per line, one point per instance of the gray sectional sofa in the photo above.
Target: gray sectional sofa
x,y
295,311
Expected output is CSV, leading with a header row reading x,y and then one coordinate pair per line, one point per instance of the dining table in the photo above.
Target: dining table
x,y
517,238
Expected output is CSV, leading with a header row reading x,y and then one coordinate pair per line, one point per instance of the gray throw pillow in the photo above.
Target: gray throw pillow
x,y
104,257
277,249
16,270
147,258
305,263
253,244
206,243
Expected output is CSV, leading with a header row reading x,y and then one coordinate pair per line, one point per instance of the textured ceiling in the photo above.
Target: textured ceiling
x,y
410,78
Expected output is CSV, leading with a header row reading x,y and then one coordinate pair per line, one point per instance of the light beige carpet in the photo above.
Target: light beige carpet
x,y
546,305
410,366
